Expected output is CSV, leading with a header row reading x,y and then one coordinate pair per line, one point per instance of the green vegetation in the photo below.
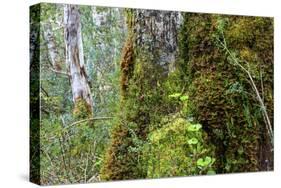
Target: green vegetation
x,y
190,98
177,149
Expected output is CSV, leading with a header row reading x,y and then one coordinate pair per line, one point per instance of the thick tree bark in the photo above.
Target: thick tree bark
x,y
156,33
75,60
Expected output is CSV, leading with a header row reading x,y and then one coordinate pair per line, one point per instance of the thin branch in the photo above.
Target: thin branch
x,y
63,159
78,122
254,87
93,178
48,156
60,72
262,87
44,91
90,119
85,170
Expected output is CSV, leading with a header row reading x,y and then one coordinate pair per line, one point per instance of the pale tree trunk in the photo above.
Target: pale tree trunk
x,y
75,60
52,47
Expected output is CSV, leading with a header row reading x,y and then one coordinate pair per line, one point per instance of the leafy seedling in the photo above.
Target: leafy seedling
x,y
194,127
192,141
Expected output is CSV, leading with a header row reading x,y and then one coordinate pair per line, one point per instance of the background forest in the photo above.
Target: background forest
x,y
131,93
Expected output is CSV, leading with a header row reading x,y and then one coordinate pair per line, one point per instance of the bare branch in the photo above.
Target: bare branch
x,y
255,89
60,72
90,119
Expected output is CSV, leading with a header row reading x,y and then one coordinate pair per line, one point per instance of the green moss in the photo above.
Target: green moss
x,y
141,86
81,109
179,148
211,90
210,76
127,65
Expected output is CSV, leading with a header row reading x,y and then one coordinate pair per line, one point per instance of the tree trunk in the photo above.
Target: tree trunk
x,y
52,49
83,104
149,51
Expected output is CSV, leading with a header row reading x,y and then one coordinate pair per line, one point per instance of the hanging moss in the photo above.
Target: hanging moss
x,y
119,163
127,65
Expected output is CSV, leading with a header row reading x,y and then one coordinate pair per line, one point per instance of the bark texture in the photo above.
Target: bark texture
x,y
156,32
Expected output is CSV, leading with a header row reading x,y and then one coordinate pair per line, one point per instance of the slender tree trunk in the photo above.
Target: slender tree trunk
x,y
52,47
83,104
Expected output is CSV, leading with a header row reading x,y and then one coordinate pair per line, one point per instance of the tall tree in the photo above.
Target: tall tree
x,y
83,104
147,56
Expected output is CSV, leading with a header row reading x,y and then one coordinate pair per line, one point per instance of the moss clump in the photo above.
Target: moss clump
x,y
179,148
81,109
124,157
127,65
120,164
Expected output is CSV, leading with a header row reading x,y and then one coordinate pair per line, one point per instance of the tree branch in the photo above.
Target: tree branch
x,y
254,87
60,72
90,119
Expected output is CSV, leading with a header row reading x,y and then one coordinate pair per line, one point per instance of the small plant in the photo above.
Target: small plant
x,y
192,141
178,148
194,127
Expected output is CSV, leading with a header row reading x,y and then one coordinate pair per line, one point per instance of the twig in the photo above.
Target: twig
x,y
262,88
44,91
90,119
254,87
60,72
94,177
85,171
63,159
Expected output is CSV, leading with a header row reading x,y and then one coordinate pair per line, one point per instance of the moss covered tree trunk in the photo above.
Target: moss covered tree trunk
x,y
83,104
148,56
221,93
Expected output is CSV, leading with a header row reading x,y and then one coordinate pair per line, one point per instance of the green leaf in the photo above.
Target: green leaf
x,y
200,162
175,95
184,98
208,160
204,162
192,141
194,127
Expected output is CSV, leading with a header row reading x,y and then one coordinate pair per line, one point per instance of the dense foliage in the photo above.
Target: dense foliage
x,y
174,94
